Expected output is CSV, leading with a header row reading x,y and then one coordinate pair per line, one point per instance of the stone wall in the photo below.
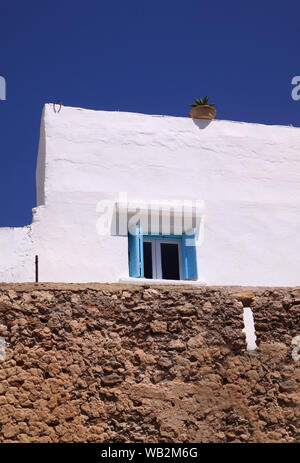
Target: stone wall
x,y
111,363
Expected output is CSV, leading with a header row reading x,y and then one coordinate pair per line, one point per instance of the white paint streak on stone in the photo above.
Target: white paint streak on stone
x,y
249,329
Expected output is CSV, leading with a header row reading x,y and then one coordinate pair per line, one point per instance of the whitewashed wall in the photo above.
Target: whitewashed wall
x,y
16,255
247,174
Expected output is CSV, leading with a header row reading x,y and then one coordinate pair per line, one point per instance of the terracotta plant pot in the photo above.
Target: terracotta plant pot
x,y
203,112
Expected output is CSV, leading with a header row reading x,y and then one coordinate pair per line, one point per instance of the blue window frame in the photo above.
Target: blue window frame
x,y
187,249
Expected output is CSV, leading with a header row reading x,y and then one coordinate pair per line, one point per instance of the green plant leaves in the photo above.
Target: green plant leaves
x,y
200,102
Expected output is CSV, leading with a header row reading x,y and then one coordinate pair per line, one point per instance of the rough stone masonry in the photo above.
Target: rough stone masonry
x,y
112,363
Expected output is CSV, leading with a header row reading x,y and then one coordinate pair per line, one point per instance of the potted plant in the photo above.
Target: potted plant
x,y
201,109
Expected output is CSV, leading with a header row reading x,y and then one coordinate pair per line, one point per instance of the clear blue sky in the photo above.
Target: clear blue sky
x,y
142,56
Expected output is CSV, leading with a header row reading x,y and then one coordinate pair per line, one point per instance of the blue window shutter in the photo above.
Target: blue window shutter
x,y
189,256
136,254
141,251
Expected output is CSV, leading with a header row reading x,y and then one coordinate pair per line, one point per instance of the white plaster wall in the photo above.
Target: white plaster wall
x,y
248,175
244,244
41,165
70,249
250,243
17,255
163,156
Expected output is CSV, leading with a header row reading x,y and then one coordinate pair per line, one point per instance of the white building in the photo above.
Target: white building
x,y
239,184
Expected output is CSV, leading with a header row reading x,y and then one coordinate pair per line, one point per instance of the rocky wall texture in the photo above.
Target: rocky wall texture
x,y
109,363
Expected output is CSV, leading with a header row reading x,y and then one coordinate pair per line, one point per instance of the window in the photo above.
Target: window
x,y
162,257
